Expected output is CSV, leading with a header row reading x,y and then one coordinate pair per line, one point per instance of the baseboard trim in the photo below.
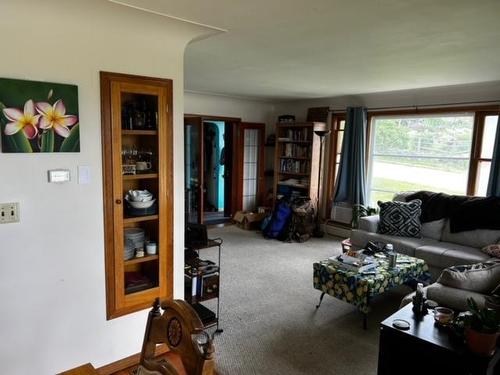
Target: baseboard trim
x,y
129,361
337,230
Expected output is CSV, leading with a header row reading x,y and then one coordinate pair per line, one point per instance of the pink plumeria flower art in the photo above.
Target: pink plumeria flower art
x,y
26,121
55,117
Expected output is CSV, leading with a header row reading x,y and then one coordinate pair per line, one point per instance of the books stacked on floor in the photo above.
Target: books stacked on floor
x,y
351,263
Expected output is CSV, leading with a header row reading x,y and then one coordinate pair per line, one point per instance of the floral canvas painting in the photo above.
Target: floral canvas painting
x,y
38,116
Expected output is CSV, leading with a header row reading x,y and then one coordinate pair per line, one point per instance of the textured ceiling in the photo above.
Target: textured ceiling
x,y
303,49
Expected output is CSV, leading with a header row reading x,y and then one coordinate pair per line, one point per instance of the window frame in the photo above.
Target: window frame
x,y
477,145
370,154
479,112
336,119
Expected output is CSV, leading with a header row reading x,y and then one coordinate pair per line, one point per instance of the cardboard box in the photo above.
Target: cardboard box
x,y
248,220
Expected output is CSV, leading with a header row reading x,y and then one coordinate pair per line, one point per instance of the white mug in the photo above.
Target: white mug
x,y
151,248
143,165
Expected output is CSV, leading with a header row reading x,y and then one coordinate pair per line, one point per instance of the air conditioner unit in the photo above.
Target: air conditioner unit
x,y
342,213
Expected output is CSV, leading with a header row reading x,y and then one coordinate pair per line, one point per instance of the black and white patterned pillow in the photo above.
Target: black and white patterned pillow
x,y
400,218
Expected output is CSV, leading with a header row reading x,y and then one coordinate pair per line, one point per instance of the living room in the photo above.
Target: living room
x,y
255,62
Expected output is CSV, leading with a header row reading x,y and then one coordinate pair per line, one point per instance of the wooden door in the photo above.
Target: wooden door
x,y
194,166
249,157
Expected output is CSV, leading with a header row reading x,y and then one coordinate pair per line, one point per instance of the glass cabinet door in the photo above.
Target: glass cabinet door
x,y
139,262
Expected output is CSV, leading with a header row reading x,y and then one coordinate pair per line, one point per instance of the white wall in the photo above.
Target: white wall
x,y
478,92
52,282
219,105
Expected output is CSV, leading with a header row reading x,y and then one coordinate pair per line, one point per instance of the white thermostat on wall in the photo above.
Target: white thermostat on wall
x,y
59,175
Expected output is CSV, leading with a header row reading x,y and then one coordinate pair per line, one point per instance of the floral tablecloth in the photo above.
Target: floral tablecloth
x,y
358,289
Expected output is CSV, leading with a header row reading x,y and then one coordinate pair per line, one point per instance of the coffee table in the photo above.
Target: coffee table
x,y
426,349
359,289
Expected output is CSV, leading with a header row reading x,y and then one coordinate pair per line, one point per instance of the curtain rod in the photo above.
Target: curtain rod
x,y
416,107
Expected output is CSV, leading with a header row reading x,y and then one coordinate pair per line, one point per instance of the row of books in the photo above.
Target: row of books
x,y
294,166
296,134
202,279
203,286
296,151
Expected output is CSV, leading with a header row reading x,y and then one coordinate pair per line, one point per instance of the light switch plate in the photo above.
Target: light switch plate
x,y
9,213
83,175
59,175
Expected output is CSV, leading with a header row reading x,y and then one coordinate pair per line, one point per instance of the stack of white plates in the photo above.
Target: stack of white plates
x,y
135,237
129,249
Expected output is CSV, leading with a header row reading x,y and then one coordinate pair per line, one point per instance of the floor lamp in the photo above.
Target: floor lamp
x,y
321,130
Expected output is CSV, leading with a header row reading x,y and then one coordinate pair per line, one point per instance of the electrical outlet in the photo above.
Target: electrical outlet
x,y
9,213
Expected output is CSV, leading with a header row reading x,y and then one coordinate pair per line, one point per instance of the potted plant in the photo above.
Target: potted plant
x,y
482,329
358,211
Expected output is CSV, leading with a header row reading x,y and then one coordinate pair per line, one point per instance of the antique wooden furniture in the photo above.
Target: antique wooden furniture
x,y
86,369
137,155
296,161
191,349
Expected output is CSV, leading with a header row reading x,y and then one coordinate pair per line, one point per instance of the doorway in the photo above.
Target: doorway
x,y
214,208
224,167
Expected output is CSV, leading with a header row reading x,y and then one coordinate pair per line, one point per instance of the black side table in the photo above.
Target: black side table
x,y
427,349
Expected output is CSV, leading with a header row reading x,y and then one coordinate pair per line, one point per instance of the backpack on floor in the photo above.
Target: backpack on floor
x,y
279,222
303,223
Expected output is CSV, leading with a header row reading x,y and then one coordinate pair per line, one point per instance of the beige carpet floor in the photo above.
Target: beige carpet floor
x,y
268,311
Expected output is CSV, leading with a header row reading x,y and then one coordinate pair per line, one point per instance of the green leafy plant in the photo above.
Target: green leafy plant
x,y
358,210
482,320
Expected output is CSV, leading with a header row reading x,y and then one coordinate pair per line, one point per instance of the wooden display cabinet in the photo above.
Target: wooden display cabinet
x,y
137,155
296,161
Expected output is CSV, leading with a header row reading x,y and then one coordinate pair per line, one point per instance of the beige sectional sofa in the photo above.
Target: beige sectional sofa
x,y
441,249
438,246
457,284
454,298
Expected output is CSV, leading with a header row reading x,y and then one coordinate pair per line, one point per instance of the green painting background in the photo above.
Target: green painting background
x,y
14,93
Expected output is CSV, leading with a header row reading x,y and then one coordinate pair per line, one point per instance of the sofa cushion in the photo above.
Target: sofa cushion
x,y
475,238
453,298
403,245
480,277
369,223
400,218
445,254
492,250
433,229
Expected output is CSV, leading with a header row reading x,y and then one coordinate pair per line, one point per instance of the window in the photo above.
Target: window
x,y
420,152
487,129
250,168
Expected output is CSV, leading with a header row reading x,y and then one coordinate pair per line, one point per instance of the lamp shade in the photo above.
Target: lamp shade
x,y
321,129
